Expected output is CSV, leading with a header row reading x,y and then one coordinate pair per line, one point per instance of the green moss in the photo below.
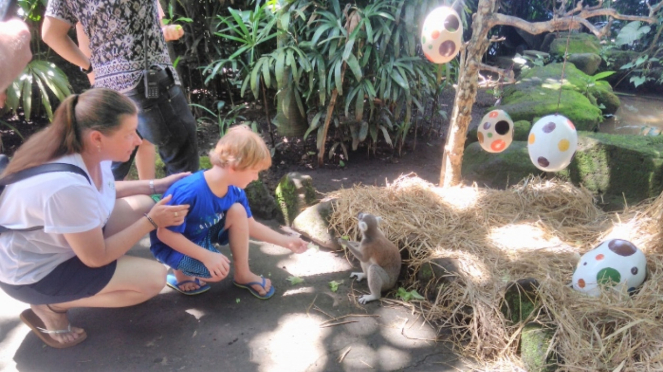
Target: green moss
x,y
577,43
286,197
205,163
535,341
538,102
521,130
520,300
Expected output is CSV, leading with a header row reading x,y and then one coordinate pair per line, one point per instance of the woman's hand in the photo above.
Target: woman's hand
x,y
168,215
161,185
218,265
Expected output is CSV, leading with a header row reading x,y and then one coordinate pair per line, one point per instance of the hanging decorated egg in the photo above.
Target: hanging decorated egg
x,y
441,35
552,142
495,131
616,262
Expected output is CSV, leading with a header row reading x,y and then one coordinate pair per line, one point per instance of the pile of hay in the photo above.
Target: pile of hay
x,y
537,229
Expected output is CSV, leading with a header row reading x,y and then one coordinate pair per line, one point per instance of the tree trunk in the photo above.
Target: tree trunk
x,y
290,122
466,93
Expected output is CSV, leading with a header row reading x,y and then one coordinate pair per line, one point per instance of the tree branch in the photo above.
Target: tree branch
x,y
567,22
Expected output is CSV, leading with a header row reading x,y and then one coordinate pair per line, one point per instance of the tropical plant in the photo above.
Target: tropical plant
x,y
227,119
40,81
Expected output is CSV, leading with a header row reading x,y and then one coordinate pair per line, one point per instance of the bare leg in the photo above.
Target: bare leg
x,y
135,280
238,225
145,161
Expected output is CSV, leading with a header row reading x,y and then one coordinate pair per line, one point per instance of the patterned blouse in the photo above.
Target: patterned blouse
x,y
116,29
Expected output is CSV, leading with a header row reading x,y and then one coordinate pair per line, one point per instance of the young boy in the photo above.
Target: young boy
x,y
219,213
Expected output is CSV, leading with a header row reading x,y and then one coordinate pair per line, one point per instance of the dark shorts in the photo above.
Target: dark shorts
x,y
216,235
166,122
69,281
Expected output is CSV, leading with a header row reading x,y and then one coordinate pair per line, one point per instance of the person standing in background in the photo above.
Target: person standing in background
x,y
146,153
14,53
124,38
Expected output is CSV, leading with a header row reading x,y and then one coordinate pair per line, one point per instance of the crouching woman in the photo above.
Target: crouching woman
x,y
80,228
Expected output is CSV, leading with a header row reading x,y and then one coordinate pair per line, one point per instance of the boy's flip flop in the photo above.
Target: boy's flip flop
x,y
254,292
171,281
35,323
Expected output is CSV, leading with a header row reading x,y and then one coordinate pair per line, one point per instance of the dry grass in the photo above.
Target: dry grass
x,y
537,229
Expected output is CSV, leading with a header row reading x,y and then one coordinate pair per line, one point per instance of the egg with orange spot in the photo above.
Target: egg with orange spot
x,y
552,142
495,131
615,263
441,35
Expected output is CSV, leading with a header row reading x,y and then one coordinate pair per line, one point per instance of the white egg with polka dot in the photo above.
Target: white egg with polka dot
x,y
552,142
441,35
615,263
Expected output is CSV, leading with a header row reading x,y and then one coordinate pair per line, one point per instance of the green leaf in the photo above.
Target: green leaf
x,y
315,123
630,33
341,163
363,131
333,285
237,300
184,19
408,296
387,138
27,96
294,280
266,73
353,63
44,100
638,80
602,75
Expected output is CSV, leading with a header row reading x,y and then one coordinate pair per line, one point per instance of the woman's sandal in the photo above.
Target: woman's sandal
x,y
37,325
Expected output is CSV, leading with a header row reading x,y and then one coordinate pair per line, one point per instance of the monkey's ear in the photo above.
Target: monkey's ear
x,y
362,226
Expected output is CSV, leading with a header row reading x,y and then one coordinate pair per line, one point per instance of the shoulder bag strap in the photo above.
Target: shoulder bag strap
x,y
30,172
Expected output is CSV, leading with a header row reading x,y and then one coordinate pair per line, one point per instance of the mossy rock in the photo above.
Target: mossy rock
x,y
441,268
535,341
578,43
611,166
313,223
586,62
537,93
205,163
262,203
497,170
604,95
294,193
521,299
618,166
521,130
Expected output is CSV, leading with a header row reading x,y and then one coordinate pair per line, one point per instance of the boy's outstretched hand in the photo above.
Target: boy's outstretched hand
x,y
296,244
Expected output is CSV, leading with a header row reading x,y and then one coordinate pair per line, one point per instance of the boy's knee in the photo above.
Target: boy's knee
x,y
236,211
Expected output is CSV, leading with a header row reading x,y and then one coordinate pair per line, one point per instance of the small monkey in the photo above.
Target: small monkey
x,y
380,258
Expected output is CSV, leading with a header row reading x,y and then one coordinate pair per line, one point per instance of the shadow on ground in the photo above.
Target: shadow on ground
x,y
228,329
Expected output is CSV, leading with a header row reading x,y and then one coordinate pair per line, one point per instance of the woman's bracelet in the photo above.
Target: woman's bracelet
x,y
152,190
151,220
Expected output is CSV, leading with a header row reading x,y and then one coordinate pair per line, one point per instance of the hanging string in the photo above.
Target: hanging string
x,y
566,56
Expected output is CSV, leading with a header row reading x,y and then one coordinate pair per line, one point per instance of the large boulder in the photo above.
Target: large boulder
x,y
294,193
578,43
586,62
612,166
313,223
536,94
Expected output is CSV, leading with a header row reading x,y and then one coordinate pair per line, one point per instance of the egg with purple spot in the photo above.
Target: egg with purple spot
x,y
441,35
552,142
495,132
615,263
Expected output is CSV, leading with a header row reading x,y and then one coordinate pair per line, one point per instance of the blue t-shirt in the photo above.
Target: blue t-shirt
x,y
205,210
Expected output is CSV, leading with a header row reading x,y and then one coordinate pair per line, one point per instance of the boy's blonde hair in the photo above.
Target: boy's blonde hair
x,y
241,149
